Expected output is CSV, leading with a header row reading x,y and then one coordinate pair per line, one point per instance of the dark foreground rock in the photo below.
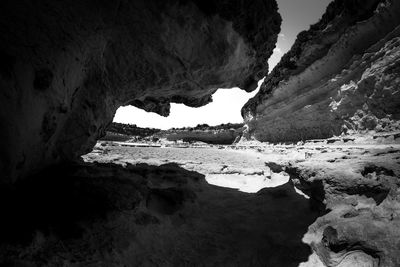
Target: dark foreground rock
x,y
66,66
340,76
110,215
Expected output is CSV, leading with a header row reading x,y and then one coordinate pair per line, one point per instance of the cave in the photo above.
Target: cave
x,y
309,178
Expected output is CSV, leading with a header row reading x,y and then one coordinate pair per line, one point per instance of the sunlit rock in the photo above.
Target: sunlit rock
x,y
341,76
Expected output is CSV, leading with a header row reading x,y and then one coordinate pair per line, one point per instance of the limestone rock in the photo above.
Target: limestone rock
x,y
361,194
341,76
66,66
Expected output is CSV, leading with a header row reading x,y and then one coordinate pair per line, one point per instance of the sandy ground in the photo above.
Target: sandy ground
x,y
242,170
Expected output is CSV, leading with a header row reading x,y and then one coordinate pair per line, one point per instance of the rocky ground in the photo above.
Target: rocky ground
x,y
310,204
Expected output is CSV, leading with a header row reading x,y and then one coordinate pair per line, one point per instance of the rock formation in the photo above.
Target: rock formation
x,y
341,76
361,192
66,66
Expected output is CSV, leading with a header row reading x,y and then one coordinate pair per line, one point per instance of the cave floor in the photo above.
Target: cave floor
x,y
215,206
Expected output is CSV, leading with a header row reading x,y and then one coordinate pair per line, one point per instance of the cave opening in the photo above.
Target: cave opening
x,y
307,177
155,139
225,107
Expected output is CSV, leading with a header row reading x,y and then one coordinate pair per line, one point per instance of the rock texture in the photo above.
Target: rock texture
x,y
358,184
341,76
66,66
361,191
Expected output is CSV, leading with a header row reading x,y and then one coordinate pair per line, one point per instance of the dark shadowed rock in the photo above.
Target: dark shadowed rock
x,y
66,66
141,215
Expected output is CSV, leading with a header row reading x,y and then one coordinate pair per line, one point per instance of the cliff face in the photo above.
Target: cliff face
x,y
131,130
341,76
222,137
223,134
66,66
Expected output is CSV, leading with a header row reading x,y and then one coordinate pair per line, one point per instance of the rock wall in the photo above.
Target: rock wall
x,y
66,66
340,76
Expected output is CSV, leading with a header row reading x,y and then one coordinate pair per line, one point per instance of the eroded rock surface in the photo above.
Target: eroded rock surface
x,y
66,66
360,187
341,76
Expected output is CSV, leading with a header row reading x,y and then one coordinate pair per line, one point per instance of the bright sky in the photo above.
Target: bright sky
x,y
297,15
